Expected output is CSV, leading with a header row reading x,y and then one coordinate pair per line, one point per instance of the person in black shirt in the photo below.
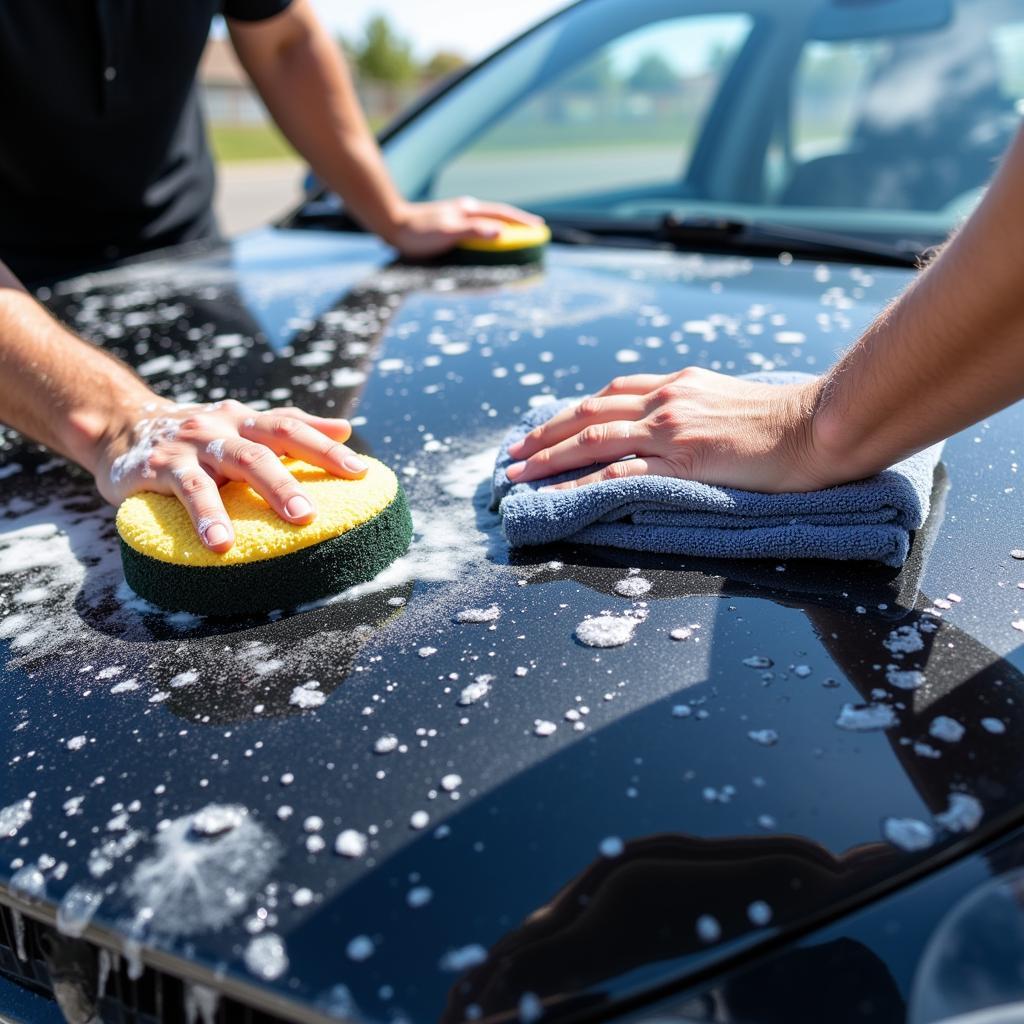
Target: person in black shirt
x,y
104,151
104,156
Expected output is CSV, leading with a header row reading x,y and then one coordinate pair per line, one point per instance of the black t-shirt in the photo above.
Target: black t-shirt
x,y
103,149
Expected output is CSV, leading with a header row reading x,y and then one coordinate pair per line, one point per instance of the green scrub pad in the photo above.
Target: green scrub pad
x,y
361,527
517,243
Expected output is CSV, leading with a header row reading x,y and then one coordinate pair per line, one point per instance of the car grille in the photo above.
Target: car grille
x,y
30,956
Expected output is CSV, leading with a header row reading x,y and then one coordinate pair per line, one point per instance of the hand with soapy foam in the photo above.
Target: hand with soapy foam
x,y
190,450
430,229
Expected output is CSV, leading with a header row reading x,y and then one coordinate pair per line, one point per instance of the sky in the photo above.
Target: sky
x,y
470,27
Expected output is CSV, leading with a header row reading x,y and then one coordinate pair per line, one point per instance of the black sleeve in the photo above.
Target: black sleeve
x,y
253,10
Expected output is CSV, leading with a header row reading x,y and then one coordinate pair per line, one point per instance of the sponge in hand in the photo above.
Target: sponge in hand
x,y
517,243
360,528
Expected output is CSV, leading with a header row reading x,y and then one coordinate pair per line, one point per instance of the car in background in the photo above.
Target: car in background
x,y
793,795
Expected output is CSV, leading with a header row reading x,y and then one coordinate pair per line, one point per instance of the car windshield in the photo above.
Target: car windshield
x,y
881,119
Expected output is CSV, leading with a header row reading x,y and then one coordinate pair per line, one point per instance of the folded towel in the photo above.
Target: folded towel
x,y
869,520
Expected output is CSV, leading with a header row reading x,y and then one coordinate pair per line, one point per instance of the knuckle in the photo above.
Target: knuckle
x,y
617,471
193,484
590,437
284,487
590,406
251,455
192,425
285,426
619,384
666,417
335,450
159,459
666,394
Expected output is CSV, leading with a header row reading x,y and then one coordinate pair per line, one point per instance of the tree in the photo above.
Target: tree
x,y
443,64
384,55
596,75
653,74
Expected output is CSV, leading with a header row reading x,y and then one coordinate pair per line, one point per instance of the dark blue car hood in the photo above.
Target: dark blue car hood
x,y
652,838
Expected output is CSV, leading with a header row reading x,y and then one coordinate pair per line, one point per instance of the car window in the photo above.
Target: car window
x,y
625,117
830,81
1008,43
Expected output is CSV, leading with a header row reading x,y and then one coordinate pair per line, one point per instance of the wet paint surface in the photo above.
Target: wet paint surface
x,y
317,785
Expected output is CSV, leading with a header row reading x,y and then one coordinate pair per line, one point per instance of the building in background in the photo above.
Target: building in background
x,y
387,77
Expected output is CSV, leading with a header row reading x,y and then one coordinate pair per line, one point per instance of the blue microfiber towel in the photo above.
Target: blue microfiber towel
x,y
868,520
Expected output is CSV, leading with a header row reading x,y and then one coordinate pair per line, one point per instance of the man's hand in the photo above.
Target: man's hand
x,y
429,229
694,424
190,450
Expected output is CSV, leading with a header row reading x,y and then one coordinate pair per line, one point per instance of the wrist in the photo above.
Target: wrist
x,y
394,221
103,425
840,446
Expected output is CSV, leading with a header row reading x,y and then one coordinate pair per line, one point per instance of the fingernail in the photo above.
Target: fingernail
x,y
216,534
354,464
516,469
298,506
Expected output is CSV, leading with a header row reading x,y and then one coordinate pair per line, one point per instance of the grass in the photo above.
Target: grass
x,y
234,142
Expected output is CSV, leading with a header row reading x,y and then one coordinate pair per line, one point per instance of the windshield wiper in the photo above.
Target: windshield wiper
x,y
719,234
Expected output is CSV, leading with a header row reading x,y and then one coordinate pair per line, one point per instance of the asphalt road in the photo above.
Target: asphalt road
x,y
251,194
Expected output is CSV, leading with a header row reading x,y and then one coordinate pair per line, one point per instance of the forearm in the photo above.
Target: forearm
x,y
302,78
947,353
54,387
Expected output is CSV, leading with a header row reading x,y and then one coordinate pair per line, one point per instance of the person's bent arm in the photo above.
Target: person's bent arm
x,y
947,353
72,397
301,76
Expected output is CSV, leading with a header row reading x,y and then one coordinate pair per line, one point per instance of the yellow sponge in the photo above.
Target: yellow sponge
x,y
517,243
361,526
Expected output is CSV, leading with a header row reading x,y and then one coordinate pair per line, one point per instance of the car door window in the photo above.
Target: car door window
x,y
625,118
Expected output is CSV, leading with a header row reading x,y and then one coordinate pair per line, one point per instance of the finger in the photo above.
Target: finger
x,y
261,469
198,492
601,442
571,421
289,435
505,212
617,471
478,227
336,428
636,384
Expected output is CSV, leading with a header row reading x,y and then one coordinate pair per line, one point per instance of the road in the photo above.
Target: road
x,y
251,194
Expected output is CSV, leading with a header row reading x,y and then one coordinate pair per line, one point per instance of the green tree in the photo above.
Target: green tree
x,y
384,55
653,74
596,75
443,63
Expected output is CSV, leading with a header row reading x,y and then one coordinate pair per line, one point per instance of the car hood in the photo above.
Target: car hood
x,y
170,792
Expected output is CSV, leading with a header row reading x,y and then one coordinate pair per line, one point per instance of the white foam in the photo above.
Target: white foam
x,y
708,928
266,956
633,587
475,691
196,881
463,958
963,813
15,816
945,728
866,717
607,630
908,833
360,948
351,843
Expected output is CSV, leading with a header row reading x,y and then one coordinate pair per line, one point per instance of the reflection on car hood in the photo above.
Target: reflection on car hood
x,y
822,731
